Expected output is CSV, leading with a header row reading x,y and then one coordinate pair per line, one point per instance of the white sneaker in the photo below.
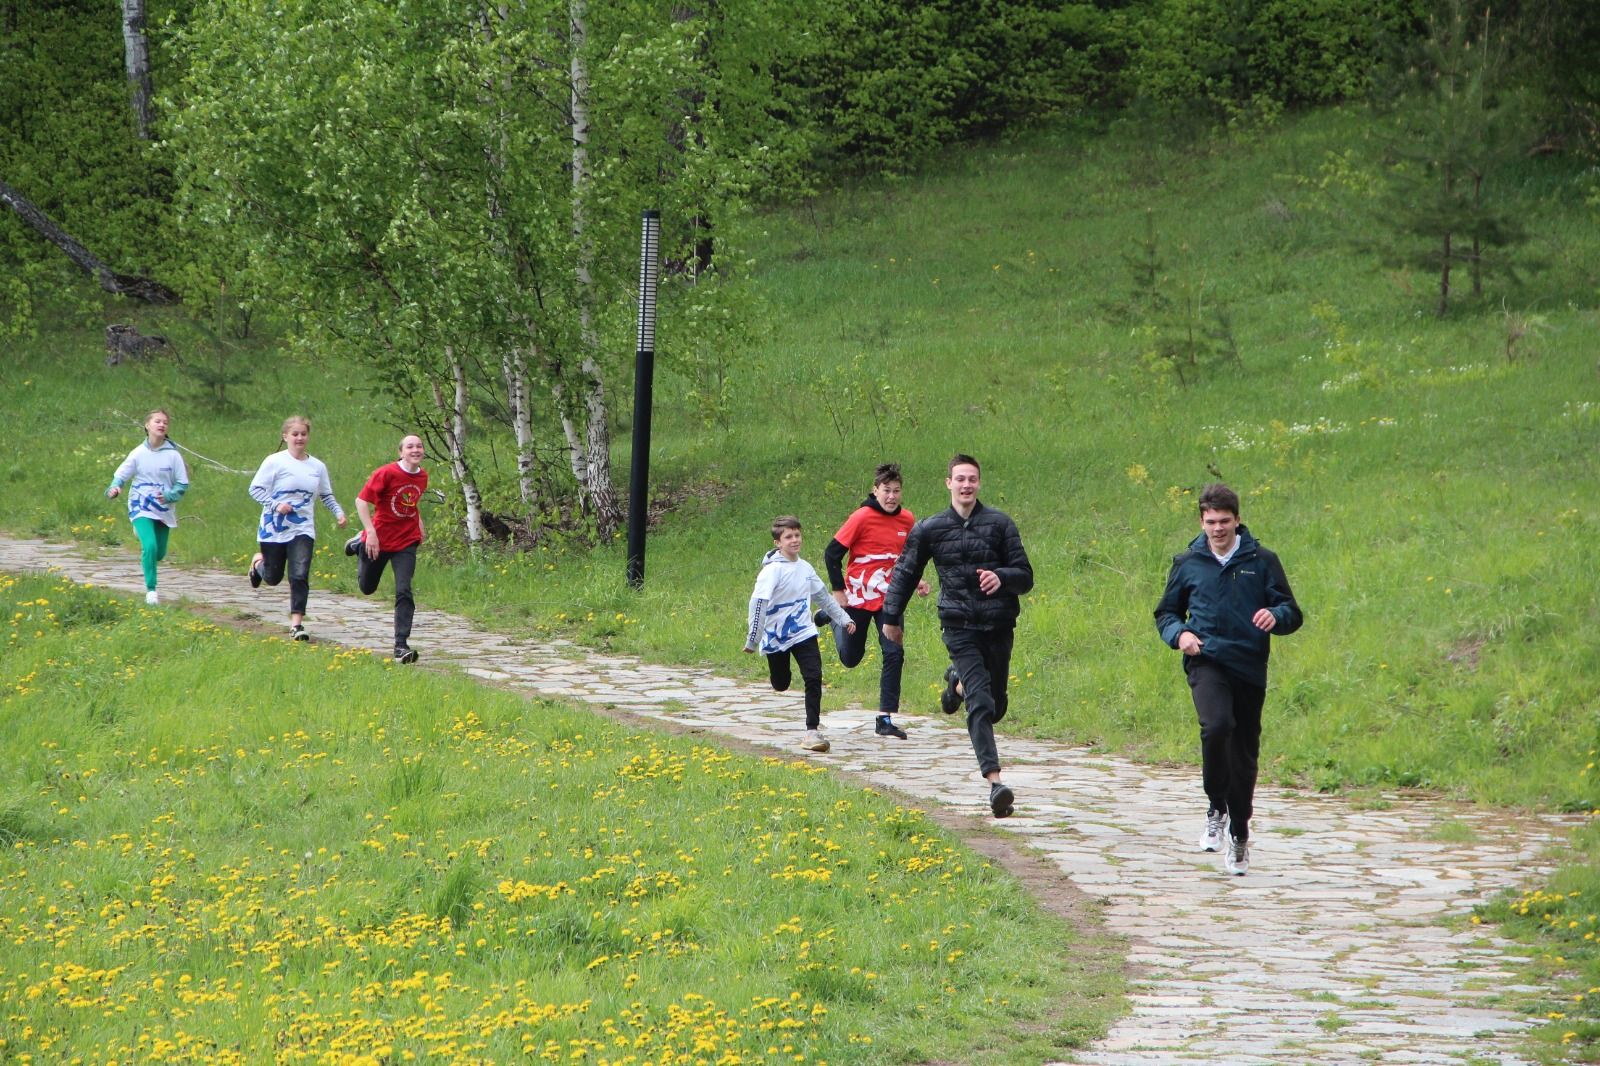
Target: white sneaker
x,y
1216,830
815,741
151,598
1237,860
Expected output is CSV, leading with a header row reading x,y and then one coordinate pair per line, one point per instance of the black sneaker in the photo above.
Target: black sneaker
x,y
822,621
405,655
255,577
950,699
1001,800
298,632
353,545
886,728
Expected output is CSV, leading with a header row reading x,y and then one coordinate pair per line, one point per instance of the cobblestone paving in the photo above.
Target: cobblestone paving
x,y
1331,950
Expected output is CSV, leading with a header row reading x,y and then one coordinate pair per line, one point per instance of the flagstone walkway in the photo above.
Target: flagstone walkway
x,y
1332,949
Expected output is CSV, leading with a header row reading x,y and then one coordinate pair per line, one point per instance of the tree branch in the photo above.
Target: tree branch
x,y
140,288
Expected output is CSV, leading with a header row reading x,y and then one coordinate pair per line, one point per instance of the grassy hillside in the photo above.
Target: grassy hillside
x,y
1429,493
223,848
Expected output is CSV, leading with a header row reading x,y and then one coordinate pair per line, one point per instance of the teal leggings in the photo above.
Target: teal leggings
x,y
152,546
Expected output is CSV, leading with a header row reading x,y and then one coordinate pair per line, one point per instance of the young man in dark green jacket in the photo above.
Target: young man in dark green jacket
x,y
1226,597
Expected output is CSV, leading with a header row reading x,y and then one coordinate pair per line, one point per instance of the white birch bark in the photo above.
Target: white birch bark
x,y
592,464
136,57
455,412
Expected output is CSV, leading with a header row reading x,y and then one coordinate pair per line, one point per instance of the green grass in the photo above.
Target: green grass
x,y
235,849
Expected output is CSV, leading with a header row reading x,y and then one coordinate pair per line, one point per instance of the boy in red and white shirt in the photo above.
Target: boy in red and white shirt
x,y
391,531
872,539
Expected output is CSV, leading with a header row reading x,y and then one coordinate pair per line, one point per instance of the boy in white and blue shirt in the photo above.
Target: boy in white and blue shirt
x,y
787,591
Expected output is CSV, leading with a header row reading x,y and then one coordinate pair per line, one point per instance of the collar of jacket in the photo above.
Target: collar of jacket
x,y
977,505
1247,547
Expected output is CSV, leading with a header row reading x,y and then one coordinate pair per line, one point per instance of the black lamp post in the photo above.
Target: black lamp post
x,y
644,368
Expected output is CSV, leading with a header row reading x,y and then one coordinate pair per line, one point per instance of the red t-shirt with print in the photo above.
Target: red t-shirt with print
x,y
394,494
875,541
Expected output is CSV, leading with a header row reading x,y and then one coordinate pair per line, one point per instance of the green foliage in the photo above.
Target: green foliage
x,y
1457,131
241,856
857,396
407,190
1255,57
67,143
1180,326
888,81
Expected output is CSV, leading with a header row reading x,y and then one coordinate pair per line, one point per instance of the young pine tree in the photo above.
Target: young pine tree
x,y
1456,129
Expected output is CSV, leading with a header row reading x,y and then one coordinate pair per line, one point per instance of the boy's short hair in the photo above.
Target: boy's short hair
x,y
1219,497
783,522
960,459
886,473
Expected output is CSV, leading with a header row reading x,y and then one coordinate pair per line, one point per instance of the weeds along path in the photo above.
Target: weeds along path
x,y
1349,940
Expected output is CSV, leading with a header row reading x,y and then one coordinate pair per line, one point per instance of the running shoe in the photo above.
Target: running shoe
x,y
1211,838
1001,800
1237,861
950,699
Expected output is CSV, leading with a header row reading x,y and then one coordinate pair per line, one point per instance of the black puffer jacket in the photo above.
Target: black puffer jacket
x,y
958,548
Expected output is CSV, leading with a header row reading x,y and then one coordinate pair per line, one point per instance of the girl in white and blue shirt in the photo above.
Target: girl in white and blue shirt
x,y
157,479
287,486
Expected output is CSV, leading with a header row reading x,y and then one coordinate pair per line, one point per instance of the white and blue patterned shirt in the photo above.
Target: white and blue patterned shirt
x,y
156,481
786,593
297,482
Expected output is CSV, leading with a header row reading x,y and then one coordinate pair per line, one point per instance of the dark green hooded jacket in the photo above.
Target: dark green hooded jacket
x,y
1216,603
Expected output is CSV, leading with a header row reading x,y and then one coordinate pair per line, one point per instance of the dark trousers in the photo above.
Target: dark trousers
x,y
293,557
368,573
853,646
983,659
808,657
1230,740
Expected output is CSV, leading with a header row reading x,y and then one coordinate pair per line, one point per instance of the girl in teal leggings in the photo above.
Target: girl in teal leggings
x,y
157,479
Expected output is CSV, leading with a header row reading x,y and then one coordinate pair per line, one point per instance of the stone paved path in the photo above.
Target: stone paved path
x,y
1330,951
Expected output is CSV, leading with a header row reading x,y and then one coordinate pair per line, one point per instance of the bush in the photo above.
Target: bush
x,y
889,81
1230,54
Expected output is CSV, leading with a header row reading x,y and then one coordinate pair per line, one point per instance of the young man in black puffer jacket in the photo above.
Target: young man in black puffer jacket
x,y
1226,598
982,568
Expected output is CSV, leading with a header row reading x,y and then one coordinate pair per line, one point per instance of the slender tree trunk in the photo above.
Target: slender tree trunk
x,y
514,369
136,53
1477,244
139,288
1444,277
591,466
455,415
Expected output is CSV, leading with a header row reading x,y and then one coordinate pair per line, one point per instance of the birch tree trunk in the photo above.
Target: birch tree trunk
x,y
455,416
514,369
592,464
136,56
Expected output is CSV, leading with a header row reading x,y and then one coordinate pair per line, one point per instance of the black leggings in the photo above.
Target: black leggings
x,y
293,556
809,658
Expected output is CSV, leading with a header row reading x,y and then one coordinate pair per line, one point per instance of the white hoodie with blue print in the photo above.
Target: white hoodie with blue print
x,y
786,593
